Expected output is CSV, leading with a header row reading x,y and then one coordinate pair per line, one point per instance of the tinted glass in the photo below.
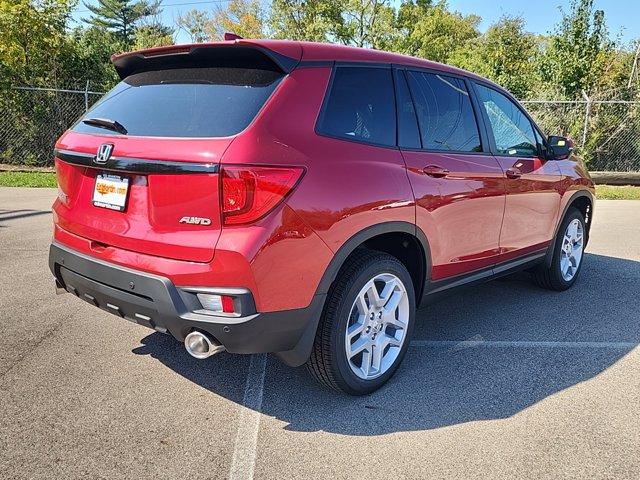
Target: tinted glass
x,y
445,114
193,102
361,106
512,130
408,134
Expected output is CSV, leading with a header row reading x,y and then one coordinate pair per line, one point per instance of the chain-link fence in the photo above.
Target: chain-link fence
x,y
605,128
34,118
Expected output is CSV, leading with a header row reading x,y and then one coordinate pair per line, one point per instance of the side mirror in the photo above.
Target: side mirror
x,y
561,147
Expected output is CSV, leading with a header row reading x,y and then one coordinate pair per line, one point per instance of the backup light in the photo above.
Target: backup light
x,y
216,303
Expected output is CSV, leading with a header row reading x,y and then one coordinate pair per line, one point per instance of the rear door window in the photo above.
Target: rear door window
x,y
361,106
185,102
445,114
512,130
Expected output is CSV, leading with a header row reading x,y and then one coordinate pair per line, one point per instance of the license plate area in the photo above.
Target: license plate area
x,y
111,191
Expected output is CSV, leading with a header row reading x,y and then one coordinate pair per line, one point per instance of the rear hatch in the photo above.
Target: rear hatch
x,y
140,171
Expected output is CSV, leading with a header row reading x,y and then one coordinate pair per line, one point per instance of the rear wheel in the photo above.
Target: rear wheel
x,y
567,254
366,325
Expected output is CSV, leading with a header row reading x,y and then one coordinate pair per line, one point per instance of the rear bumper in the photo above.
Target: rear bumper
x,y
155,302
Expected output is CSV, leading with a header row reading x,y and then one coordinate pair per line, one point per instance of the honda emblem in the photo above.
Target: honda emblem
x,y
104,153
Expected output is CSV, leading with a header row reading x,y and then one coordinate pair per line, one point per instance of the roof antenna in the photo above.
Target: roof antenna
x,y
228,36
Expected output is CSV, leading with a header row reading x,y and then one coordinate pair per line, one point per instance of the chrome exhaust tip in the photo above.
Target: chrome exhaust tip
x,y
200,345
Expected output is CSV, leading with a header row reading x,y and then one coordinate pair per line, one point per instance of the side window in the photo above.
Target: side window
x,y
408,134
512,130
445,114
361,106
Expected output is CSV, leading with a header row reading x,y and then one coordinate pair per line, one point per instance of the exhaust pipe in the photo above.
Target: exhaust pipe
x,y
200,345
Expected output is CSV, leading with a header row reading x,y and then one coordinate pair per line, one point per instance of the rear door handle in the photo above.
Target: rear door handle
x,y
513,173
435,171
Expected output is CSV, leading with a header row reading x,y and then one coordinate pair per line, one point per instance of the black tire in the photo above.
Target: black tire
x,y
328,362
551,277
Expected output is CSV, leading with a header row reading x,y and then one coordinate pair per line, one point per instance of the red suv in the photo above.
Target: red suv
x,y
304,199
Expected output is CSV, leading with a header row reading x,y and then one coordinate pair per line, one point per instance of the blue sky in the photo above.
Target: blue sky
x,y
540,15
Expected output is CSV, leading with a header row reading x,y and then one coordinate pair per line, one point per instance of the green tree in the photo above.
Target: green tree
x,y
365,23
312,20
195,24
91,58
433,31
408,15
242,17
505,53
578,51
33,45
121,16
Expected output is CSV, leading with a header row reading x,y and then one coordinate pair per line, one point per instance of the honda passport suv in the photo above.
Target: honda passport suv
x,y
305,199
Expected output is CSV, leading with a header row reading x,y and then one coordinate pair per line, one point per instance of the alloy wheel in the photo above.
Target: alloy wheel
x,y
377,326
572,249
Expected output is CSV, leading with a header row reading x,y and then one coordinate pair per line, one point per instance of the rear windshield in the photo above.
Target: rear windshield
x,y
184,102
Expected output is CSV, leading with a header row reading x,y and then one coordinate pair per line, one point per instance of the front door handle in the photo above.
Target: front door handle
x,y
435,171
513,173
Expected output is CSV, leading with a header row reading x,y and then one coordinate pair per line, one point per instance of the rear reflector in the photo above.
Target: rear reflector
x,y
216,303
250,192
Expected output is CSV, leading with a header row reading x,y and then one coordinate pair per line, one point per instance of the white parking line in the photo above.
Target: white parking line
x,y
522,344
244,452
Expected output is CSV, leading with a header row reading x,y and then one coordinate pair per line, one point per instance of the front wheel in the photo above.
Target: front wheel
x,y
366,325
567,254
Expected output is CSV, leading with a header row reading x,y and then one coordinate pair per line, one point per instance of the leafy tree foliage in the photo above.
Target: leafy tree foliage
x,y
576,55
195,24
242,17
312,20
433,31
505,53
365,23
121,16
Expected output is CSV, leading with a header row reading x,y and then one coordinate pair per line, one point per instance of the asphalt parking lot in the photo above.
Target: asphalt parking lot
x,y
503,380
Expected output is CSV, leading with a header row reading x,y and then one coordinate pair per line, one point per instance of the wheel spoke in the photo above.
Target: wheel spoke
x,y
356,328
393,302
564,265
365,367
374,296
376,357
361,305
361,345
388,292
388,340
389,318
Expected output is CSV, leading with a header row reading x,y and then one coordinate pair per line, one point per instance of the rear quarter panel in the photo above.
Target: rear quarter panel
x,y
347,186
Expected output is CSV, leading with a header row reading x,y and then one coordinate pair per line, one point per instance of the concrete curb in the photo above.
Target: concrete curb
x,y
4,167
616,178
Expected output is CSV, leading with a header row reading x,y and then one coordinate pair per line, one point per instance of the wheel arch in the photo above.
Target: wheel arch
x,y
583,200
381,237
300,354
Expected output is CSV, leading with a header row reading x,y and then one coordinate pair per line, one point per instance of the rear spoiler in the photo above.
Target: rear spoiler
x,y
234,54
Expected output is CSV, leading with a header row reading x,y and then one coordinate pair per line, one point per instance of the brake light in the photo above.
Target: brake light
x,y
250,192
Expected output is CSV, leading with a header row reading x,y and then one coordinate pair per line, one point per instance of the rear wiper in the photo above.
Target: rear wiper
x,y
107,124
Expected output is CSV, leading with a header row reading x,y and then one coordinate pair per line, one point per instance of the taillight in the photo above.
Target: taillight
x,y
250,192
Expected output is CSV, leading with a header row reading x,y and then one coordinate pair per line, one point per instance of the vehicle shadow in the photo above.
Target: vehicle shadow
x,y
6,215
447,384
